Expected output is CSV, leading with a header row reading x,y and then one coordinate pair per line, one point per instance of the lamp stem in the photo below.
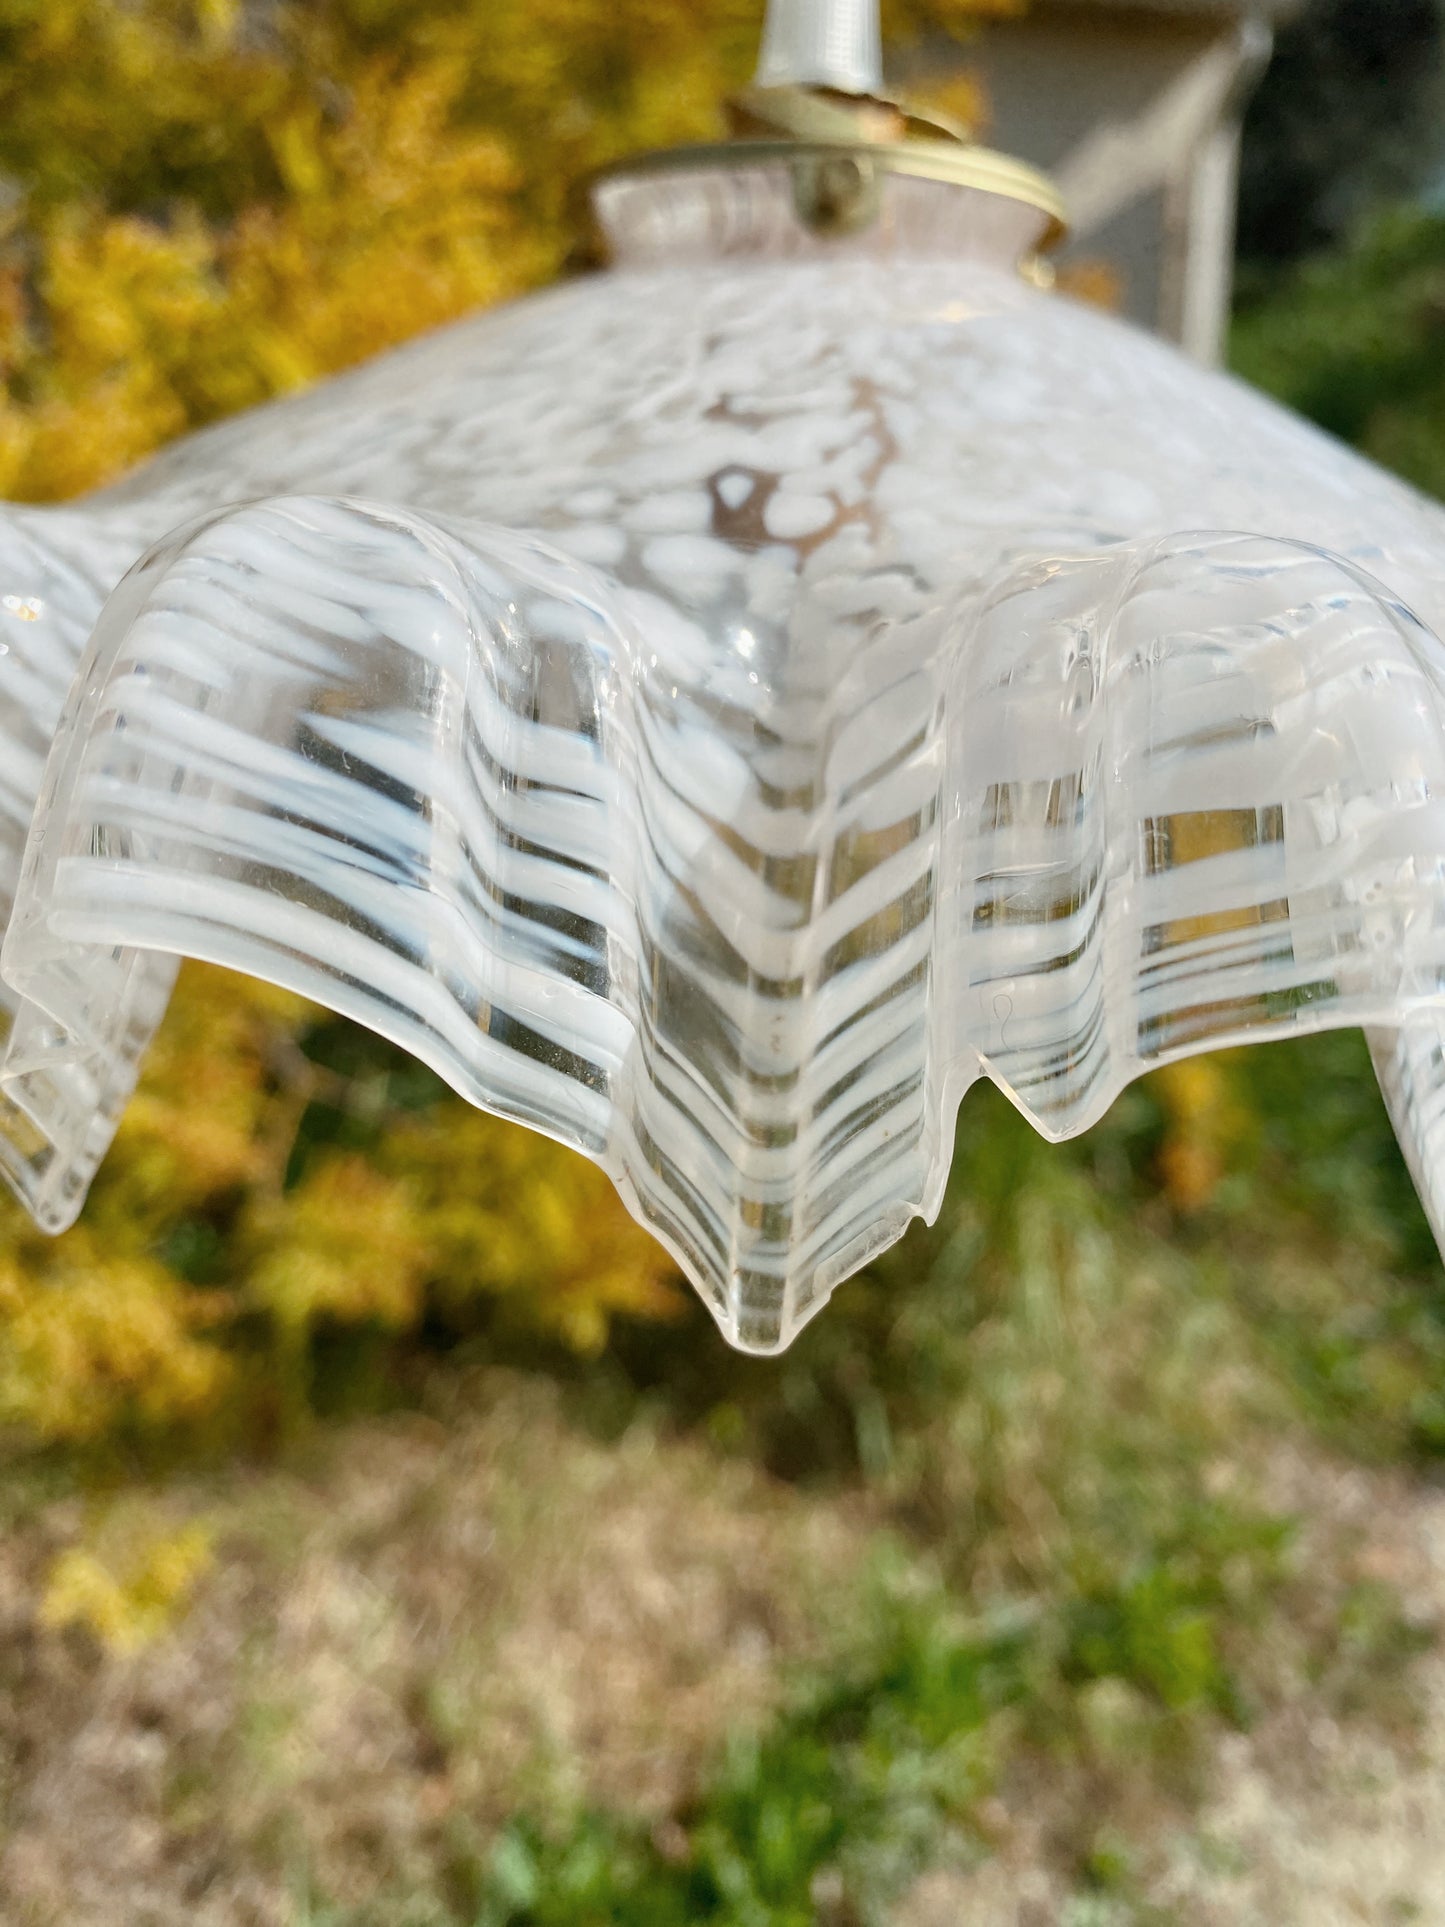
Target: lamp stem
x,y
822,43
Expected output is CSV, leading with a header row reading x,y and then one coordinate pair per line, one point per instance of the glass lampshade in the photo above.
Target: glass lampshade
x,y
717,710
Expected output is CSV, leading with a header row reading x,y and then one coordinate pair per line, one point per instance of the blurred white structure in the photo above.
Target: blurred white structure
x,y
1134,108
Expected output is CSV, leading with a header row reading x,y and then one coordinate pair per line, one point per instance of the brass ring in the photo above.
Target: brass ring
x,y
956,163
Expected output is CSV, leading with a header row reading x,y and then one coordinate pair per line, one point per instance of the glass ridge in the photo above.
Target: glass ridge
x,y
715,711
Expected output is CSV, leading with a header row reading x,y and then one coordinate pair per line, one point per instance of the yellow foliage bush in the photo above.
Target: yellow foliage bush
x,y
95,1339
204,203
1204,1123
207,202
541,1214
126,1609
255,1196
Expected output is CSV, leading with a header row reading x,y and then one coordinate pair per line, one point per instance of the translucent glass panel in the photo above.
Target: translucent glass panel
x,y
716,711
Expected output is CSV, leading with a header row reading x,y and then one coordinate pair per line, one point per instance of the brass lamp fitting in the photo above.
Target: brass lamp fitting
x,y
840,147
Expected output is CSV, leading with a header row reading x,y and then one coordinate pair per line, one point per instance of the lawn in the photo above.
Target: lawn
x,y
1082,1563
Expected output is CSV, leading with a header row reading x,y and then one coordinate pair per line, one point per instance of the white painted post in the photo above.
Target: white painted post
x,y
1200,218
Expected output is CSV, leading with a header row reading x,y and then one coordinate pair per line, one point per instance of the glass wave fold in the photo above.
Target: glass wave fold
x,y
717,710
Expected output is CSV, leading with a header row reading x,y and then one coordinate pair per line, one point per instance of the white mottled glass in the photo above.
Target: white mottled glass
x,y
717,710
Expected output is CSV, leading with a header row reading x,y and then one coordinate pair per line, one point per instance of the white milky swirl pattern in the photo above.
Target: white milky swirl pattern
x,y
715,713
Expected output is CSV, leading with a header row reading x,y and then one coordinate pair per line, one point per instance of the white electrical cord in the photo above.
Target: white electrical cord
x,y
822,43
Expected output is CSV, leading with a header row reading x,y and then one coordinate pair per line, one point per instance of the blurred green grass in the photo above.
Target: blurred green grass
x,y
1068,1407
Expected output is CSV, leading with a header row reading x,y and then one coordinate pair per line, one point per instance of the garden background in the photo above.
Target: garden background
x,y
388,1538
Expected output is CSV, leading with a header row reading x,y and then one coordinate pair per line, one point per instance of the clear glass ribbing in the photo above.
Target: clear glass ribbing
x,y
721,760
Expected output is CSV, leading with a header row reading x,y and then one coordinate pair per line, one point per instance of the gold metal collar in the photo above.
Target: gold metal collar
x,y
840,148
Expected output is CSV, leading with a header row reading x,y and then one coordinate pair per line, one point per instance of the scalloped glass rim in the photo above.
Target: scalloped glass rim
x,y
721,763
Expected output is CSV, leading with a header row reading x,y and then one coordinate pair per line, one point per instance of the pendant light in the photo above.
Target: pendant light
x,y
717,710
